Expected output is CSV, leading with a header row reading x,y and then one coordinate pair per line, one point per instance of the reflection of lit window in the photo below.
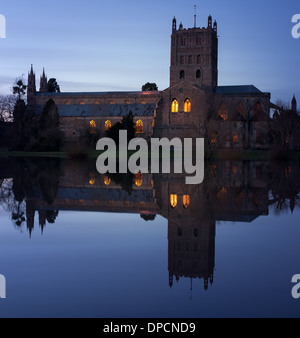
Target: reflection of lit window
x,y
187,106
214,137
92,127
222,195
175,106
173,201
186,201
139,127
138,179
82,102
107,125
107,180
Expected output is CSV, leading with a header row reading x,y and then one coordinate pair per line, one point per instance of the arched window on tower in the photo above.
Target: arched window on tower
x,y
182,75
198,74
107,125
173,201
175,106
139,127
186,201
187,106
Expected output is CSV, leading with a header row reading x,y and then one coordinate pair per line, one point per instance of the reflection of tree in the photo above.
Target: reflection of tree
x,y
284,186
51,216
16,206
126,181
148,217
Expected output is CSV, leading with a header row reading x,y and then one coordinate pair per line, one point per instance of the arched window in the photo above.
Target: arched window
x,y
241,109
107,125
182,75
223,111
138,179
187,106
186,201
173,201
93,127
139,127
107,180
175,105
257,109
198,74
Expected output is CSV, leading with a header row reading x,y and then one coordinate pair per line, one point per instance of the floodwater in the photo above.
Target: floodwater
x,y
74,243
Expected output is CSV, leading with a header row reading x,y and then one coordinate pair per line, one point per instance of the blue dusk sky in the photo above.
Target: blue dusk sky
x,y
120,45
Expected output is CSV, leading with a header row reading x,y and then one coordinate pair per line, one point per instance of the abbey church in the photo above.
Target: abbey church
x,y
192,106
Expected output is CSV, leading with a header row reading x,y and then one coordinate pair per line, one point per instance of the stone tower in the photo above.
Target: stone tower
x,y
194,55
31,87
43,83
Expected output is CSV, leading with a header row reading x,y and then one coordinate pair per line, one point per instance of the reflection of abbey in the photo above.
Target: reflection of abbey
x,y
193,105
236,191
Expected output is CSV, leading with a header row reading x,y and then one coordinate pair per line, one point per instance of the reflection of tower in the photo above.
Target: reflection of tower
x,y
30,212
42,219
192,250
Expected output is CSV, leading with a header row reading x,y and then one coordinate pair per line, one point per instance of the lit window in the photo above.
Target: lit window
x,y
175,106
82,102
139,127
173,201
234,170
107,125
187,106
107,180
138,179
223,111
235,138
93,127
186,201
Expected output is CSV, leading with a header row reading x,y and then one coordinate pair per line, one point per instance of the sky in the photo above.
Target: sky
x,y
120,45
